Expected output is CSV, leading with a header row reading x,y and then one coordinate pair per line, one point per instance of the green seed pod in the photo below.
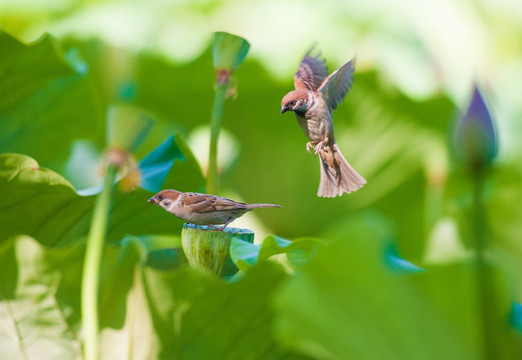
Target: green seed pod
x,y
127,126
228,52
210,249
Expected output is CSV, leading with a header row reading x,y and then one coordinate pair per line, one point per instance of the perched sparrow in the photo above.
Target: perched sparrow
x,y
203,209
315,96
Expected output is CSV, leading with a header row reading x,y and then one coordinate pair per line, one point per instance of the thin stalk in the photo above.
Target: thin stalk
x,y
484,280
215,127
91,268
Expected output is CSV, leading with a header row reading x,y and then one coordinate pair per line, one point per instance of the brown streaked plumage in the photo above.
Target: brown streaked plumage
x,y
203,209
315,96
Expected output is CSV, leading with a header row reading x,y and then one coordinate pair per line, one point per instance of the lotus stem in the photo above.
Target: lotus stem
x,y
91,269
215,127
228,52
486,293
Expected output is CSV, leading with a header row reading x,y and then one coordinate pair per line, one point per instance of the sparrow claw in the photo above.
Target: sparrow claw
x,y
318,146
309,145
216,228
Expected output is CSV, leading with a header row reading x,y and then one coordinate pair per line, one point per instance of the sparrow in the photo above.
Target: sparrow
x,y
203,209
315,96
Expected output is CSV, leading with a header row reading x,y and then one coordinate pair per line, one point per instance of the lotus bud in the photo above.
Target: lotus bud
x,y
475,138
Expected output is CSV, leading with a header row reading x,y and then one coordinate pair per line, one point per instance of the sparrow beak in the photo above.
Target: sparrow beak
x,y
152,200
284,109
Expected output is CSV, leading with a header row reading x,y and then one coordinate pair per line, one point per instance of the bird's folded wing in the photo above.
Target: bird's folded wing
x,y
311,73
336,86
204,203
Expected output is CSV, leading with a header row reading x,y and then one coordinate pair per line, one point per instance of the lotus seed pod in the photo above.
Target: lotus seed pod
x,y
228,52
127,126
210,249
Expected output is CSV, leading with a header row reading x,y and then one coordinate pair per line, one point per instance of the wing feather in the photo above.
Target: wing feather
x,y
311,73
336,86
205,203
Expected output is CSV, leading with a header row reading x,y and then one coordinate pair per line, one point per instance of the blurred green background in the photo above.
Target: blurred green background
x,y
417,62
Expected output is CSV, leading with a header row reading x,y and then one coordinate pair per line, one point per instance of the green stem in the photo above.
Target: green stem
x,y
215,126
91,269
486,301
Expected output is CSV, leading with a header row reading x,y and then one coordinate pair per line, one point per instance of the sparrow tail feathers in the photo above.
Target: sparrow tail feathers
x,y
337,176
253,206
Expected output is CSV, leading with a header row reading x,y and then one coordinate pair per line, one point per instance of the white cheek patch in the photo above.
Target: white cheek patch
x,y
166,204
170,206
174,204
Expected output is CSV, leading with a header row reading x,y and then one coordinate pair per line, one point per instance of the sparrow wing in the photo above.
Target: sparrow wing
x,y
336,86
311,73
206,203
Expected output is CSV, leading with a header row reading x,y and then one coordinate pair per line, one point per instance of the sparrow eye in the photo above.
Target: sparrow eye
x,y
291,103
160,197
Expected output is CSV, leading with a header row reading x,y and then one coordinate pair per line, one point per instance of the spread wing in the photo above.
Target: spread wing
x,y
337,85
311,73
205,203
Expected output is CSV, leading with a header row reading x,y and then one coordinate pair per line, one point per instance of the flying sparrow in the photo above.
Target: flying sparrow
x,y
315,96
203,209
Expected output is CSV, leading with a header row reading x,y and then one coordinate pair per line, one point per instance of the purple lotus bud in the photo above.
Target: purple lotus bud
x,y
475,138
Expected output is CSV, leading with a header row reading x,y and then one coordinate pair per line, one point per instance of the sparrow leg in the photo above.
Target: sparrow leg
x,y
230,219
321,143
309,145
216,228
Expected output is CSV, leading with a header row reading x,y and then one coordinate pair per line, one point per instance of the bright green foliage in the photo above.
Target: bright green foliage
x,y
144,312
363,310
46,100
39,291
298,251
42,204
154,168
341,290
